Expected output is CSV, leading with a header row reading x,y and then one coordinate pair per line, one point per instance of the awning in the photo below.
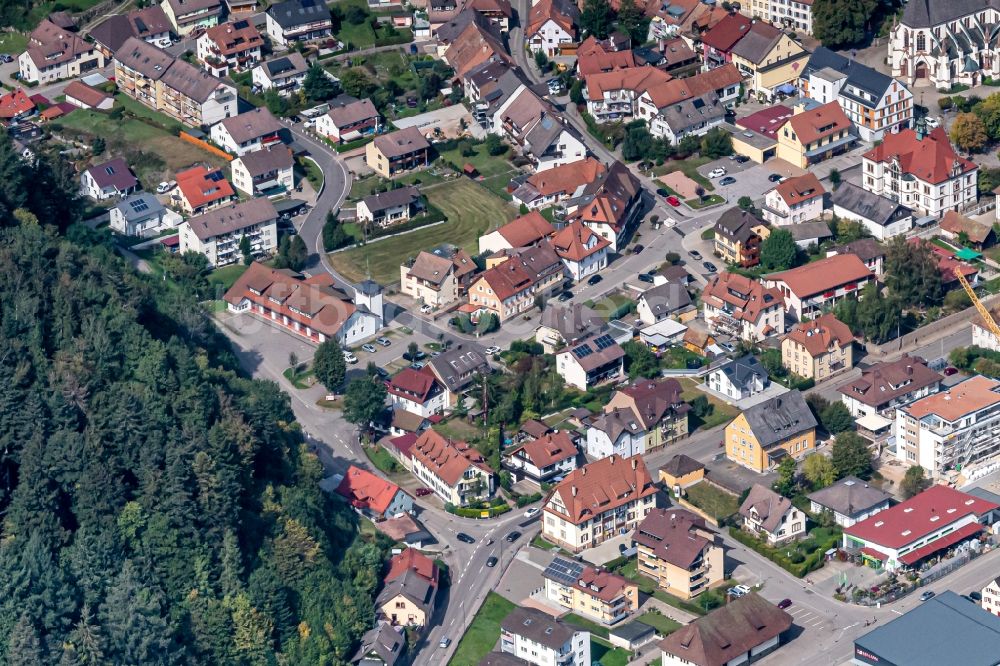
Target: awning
x,y
944,542
833,145
288,205
874,554
786,89
967,254
873,422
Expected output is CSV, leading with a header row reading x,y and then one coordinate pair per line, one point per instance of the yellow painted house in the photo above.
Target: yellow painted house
x,y
768,59
767,432
809,137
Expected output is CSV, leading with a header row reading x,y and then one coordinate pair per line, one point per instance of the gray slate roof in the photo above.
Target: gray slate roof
x,y
944,630
383,642
401,196
140,206
870,206
539,627
411,585
809,230
850,496
460,360
191,81
232,218
286,66
741,371
666,298
693,112
769,505
859,75
927,13
779,418
298,12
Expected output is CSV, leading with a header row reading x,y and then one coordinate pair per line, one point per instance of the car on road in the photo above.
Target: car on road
x,y
165,186
741,159
492,350
565,296
774,177
465,538
349,357
636,249
663,192
975,596
512,536
949,371
532,512
382,373
717,172
5,58
784,603
728,180
594,279
696,254
295,119
926,595
385,342
491,562
673,201
709,266
425,309
424,492
643,277
369,348
444,642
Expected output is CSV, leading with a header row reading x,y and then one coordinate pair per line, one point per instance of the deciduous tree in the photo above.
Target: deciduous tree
x,y
317,86
841,22
596,18
819,471
778,251
968,132
329,366
364,400
850,455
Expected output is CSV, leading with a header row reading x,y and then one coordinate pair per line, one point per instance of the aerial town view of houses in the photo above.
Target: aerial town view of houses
x,y
597,333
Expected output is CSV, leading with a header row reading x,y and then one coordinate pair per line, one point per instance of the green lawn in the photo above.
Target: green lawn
x,y
713,501
312,172
359,36
226,276
299,380
382,459
722,413
487,165
471,211
710,200
605,654
585,624
663,624
484,631
539,542
13,43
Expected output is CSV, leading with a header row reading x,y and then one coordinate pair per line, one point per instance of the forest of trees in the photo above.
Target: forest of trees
x,y
156,507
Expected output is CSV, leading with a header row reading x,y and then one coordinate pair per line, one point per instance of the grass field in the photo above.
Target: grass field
x,y
227,275
663,624
713,501
484,631
382,459
471,211
605,654
153,153
584,623
487,165
13,43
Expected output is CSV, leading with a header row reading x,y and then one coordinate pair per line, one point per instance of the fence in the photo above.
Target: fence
x,y
204,145
925,579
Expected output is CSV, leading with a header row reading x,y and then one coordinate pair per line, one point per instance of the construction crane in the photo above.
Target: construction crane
x,y
983,312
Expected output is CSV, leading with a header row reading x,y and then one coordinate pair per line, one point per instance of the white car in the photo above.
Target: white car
x,y
532,512
165,187
492,350
369,348
738,591
717,172
349,357
425,309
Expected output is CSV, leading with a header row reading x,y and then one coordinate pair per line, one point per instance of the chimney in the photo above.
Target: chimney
x,y
909,370
635,462
574,491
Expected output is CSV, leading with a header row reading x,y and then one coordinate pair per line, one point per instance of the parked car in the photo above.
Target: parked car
x,y
774,177
565,296
444,642
491,562
728,180
717,172
949,371
645,278
166,186
424,492
417,365
492,350
382,373
594,279
738,590
932,122
663,192
385,342
369,348
6,57
512,536
673,201
927,594
784,603
636,249
464,538
349,357
696,254
741,159
975,596
709,266
426,309
532,512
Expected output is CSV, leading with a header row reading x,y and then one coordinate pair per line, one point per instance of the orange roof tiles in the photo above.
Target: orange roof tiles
x,y
961,399
819,123
15,103
546,10
234,37
822,334
526,230
823,275
547,450
415,561
603,485
446,459
637,79
799,189
365,490
201,186
566,178
576,242
676,90
932,159
745,297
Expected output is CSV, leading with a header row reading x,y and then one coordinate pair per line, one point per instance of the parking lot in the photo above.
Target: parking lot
x,y
751,178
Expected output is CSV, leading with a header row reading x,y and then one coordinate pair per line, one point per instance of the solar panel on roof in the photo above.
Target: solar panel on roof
x,y
215,176
604,342
139,205
563,571
582,351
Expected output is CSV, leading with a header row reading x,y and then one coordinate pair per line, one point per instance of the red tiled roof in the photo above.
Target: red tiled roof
x,y
766,121
365,490
526,230
745,296
727,32
404,443
931,159
572,240
799,189
823,121
412,385
912,520
544,10
823,275
603,485
596,59
81,91
446,459
566,178
201,186
415,561
871,552
961,533
637,79
547,450
15,103
676,90
235,37
819,335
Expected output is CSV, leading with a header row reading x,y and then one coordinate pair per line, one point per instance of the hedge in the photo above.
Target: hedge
x,y
812,561
525,500
432,216
478,513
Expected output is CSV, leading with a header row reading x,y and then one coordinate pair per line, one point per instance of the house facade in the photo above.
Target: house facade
x,y
542,459
582,251
349,121
248,132
219,233
372,496
739,379
416,392
298,21
591,361
187,16
108,180
794,200
267,172
809,137
230,47
738,236
284,74
388,208
771,430
881,217
743,307
55,53
772,517
815,287
398,152
679,551
456,472
538,638
849,500
596,594
884,387
818,349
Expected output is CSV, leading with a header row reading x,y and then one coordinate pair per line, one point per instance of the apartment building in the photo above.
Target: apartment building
x,y
417,392
552,186
55,53
541,459
597,502
349,119
679,551
436,278
456,472
955,429
249,131
743,307
397,152
551,23
818,349
593,593
219,233
883,387
817,286
509,287
922,172
877,104
268,172
614,95
582,251
591,361
809,137
230,47
794,200
538,638
768,431
769,61
298,21
186,16
791,14
200,190
172,86
738,235
527,230
610,205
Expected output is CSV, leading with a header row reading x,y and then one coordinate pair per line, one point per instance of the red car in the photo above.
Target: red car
x,y
949,371
422,492
673,201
